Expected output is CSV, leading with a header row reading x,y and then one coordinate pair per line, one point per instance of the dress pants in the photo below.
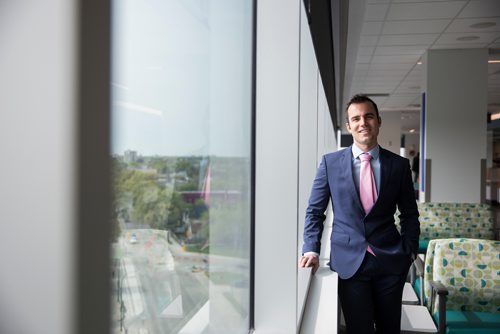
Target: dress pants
x,y
371,299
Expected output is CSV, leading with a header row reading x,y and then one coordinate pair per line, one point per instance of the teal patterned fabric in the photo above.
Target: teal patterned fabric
x,y
428,270
454,220
469,269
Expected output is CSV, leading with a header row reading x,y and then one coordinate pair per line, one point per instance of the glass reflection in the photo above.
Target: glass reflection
x,y
181,168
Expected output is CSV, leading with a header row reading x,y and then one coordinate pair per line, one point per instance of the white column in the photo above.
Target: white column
x,y
455,85
277,137
37,145
54,133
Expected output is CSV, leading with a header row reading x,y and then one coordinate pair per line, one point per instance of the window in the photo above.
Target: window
x,y
181,144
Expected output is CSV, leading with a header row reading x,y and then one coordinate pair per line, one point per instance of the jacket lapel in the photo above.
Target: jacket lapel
x,y
385,171
347,165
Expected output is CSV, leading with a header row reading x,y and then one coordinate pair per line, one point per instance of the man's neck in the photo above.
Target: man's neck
x,y
366,148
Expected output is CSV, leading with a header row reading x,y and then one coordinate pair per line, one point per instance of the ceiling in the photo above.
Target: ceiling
x,y
387,38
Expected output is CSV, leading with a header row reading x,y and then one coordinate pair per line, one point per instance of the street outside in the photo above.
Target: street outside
x,y
158,287
153,293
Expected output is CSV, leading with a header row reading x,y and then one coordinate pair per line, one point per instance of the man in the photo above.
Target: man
x,y
415,166
369,254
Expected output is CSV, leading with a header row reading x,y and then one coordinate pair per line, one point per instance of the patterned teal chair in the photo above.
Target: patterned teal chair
x,y
462,285
454,220
440,220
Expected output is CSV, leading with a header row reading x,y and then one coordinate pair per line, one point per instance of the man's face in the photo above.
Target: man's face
x,y
363,124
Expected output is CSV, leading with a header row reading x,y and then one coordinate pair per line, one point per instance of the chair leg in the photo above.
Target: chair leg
x,y
442,314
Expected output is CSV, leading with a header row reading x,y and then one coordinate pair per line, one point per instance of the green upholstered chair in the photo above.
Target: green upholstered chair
x,y
454,220
440,220
462,285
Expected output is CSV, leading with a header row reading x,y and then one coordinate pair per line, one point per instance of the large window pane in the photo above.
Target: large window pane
x,y
181,143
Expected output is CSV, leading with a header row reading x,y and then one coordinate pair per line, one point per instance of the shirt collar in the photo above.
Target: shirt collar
x,y
356,151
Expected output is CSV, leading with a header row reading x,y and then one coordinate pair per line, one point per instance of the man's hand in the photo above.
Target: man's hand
x,y
309,261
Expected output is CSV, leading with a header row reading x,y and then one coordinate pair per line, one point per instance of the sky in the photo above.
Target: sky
x,y
181,81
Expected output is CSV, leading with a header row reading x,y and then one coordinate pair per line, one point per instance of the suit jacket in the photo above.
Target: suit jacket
x,y
353,230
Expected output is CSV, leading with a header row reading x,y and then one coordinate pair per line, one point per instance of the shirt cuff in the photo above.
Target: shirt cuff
x,y
311,253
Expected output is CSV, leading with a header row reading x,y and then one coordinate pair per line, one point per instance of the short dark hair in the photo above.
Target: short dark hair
x,y
360,98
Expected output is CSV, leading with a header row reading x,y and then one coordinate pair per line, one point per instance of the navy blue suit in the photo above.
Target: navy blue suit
x,y
353,230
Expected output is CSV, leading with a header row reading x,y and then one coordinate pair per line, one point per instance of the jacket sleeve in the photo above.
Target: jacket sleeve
x,y
315,213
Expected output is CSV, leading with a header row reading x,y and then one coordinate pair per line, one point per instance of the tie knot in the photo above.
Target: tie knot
x,y
365,157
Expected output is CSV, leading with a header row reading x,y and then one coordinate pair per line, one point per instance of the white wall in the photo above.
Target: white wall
x,y
316,136
456,86
412,142
293,130
309,118
327,138
390,133
37,146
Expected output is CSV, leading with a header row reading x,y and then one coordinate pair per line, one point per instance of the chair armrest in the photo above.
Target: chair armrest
x,y
442,292
417,272
419,267
439,288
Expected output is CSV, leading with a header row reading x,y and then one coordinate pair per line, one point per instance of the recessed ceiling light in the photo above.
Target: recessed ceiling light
x,y
482,25
412,130
467,38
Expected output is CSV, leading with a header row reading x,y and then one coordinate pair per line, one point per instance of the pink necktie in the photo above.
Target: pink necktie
x,y
367,188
